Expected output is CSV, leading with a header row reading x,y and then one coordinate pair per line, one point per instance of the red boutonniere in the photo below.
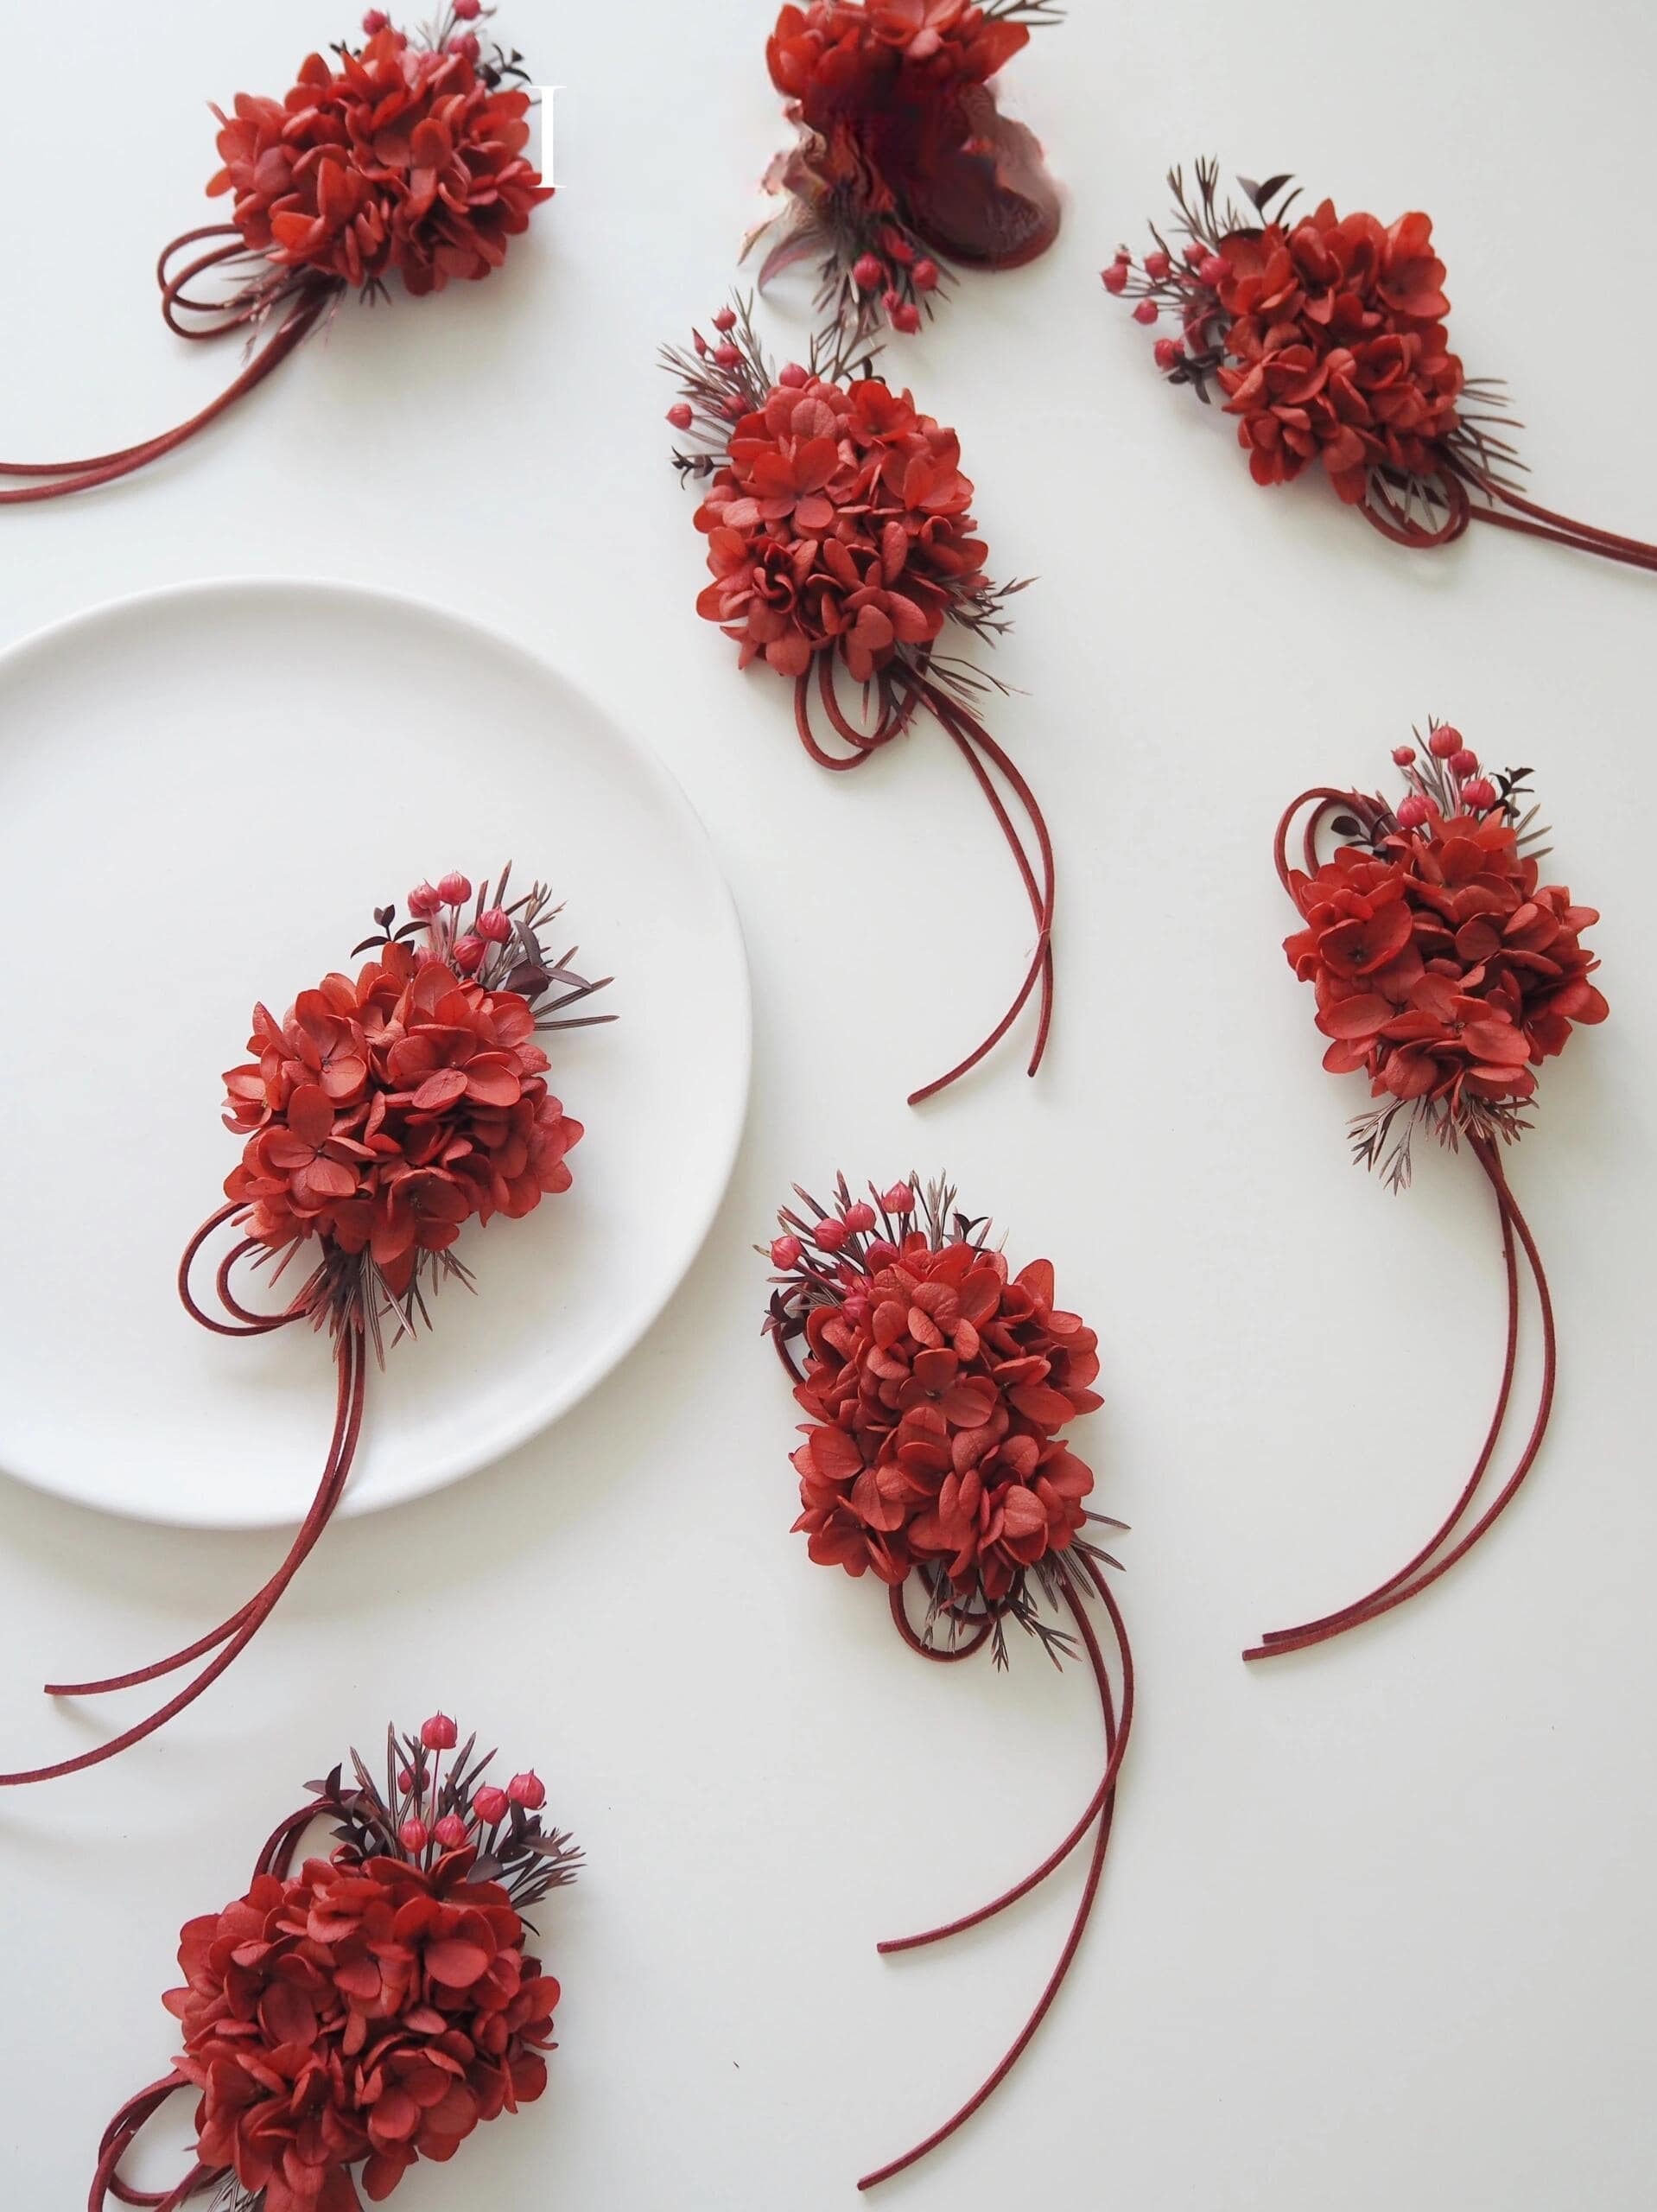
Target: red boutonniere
x,y
1328,338
372,2009
402,157
839,536
936,1387
904,161
1447,971
384,1114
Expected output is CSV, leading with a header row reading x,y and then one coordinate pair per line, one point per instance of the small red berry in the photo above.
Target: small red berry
x,y
831,1235
880,1253
405,1778
1114,279
1464,765
425,901
468,47
793,375
679,416
528,1790
1403,756
899,1199
450,1831
1412,811
1212,268
1146,311
1445,741
1168,353
786,1252
376,21
868,272
924,275
727,355
495,924
726,319
468,955
906,317
1480,795
490,1804
860,1217
412,1836
439,1734
1157,266
456,888
467,11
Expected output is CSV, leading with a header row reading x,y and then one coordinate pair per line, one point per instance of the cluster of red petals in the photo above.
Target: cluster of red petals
x,y
1338,348
836,57
387,1111
840,523
373,2013
1443,968
399,158
937,1390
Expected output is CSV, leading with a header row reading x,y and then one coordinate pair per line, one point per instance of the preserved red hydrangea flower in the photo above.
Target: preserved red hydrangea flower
x,y
406,157
903,157
1447,971
840,538
386,1111
342,2023
936,1385
1327,336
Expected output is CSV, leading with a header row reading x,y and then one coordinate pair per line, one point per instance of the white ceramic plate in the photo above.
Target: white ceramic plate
x,y
203,793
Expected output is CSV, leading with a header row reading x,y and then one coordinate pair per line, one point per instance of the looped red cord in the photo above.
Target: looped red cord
x,y
1418,1574
1101,1809
307,301
117,2139
231,1637
1383,513
1323,800
1504,508
897,701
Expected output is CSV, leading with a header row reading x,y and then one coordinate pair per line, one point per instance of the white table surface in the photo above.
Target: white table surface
x,y
1377,1930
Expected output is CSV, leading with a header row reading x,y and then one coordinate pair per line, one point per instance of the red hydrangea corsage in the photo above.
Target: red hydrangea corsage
x,y
403,157
1447,971
1327,336
936,1387
840,537
384,1114
343,2023
904,161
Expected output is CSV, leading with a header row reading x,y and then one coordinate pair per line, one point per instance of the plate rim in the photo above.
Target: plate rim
x,y
511,1436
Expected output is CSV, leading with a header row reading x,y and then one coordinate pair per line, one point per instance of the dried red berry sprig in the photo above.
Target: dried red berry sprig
x,y
342,2023
1447,971
384,1114
903,162
840,537
1328,338
936,1386
404,156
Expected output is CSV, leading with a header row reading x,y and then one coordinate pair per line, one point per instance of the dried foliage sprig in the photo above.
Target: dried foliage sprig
x,y
936,1387
1448,972
403,156
384,1114
342,2023
840,538
903,162
1328,338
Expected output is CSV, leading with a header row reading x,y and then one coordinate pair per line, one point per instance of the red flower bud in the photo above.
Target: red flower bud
x,y
1168,353
468,47
439,1734
860,1217
1146,311
1464,765
906,318
450,1831
1114,279
1412,811
831,1235
376,21
467,11
468,955
1157,266
679,416
496,925
1480,795
412,1836
892,299
868,273
792,375
786,1252
1445,741
528,1790
490,1804
899,1199
924,275
424,901
880,1254
1403,756
726,319
405,1778
1212,268
727,355
456,888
